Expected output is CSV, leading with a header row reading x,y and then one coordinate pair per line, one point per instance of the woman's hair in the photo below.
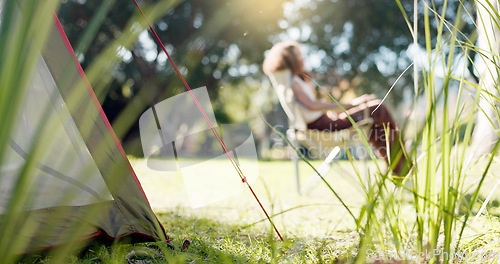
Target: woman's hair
x,y
284,55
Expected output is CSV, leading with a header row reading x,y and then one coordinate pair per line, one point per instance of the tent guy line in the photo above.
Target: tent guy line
x,y
214,131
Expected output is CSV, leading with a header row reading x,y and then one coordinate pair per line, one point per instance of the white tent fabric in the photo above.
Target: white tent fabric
x,y
80,186
66,173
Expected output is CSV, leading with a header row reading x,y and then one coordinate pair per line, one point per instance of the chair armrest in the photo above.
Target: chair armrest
x,y
364,122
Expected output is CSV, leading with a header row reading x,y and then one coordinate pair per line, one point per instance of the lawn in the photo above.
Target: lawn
x,y
313,224
316,227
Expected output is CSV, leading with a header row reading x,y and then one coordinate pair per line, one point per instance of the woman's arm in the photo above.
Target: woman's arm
x,y
314,105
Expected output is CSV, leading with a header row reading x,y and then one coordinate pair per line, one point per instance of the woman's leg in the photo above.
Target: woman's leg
x,y
382,122
384,125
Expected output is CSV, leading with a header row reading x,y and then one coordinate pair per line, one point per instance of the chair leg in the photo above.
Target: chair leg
x,y
292,137
295,161
323,169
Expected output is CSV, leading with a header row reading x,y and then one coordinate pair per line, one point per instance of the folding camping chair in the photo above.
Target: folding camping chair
x,y
319,143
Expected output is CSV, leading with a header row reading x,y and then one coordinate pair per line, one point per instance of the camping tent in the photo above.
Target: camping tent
x,y
81,186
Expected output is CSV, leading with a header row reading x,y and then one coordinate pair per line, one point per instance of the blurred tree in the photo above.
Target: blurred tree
x,y
221,43
207,40
365,40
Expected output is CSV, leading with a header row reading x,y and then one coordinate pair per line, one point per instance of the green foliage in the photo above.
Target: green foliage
x,y
368,40
208,40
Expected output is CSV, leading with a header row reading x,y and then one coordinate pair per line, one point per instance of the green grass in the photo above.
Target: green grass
x,y
432,210
316,227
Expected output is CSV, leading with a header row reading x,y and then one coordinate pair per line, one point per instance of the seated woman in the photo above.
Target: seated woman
x,y
328,116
